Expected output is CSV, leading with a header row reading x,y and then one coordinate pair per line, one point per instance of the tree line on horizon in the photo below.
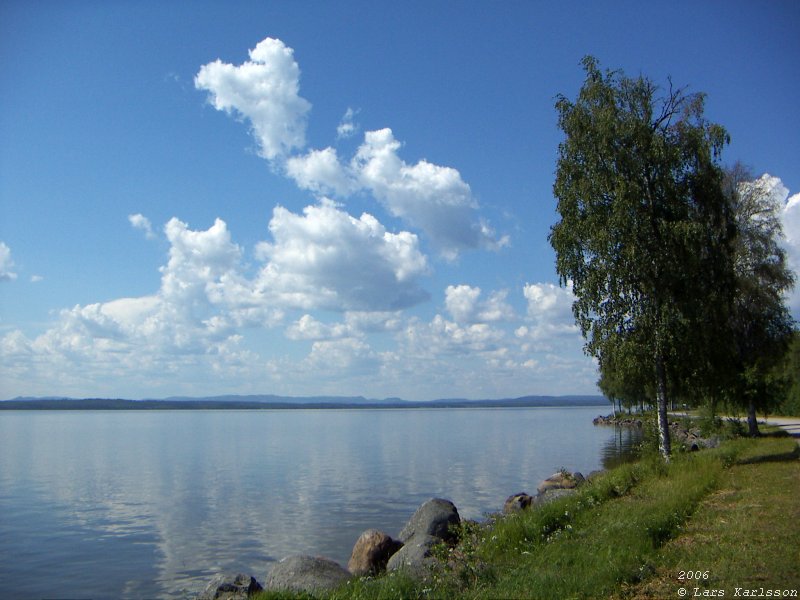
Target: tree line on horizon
x,y
674,259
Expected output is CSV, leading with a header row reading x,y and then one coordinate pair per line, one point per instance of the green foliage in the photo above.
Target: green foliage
x,y
643,222
460,567
788,372
395,585
760,321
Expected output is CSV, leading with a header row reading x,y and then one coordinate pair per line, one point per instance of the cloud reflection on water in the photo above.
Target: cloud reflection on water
x,y
157,502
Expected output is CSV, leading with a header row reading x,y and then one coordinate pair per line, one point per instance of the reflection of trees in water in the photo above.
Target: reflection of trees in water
x,y
622,447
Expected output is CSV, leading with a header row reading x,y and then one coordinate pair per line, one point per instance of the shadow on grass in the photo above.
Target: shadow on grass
x,y
767,458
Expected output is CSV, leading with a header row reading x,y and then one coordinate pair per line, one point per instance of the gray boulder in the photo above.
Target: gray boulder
x,y
562,480
434,517
517,502
230,587
553,494
415,556
303,573
371,552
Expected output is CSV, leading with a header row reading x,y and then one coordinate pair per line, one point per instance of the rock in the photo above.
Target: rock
x,y
371,552
434,517
415,556
230,587
517,502
553,494
563,480
303,573
617,421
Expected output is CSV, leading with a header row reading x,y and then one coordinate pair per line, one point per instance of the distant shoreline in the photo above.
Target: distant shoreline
x,y
283,403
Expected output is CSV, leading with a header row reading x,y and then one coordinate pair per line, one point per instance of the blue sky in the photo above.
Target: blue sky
x,y
328,198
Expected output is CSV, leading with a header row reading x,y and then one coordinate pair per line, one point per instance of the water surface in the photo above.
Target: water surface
x,y
152,504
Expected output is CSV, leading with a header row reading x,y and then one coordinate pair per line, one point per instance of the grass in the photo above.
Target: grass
x,y
732,512
744,535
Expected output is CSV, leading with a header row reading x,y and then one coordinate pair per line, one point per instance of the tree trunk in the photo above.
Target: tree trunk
x,y
661,403
752,422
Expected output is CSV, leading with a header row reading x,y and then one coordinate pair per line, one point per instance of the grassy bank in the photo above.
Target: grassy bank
x,y
731,515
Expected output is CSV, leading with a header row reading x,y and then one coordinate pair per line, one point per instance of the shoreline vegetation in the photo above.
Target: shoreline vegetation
x,y
719,522
267,402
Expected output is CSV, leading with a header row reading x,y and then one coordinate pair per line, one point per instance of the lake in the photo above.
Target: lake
x,y
152,504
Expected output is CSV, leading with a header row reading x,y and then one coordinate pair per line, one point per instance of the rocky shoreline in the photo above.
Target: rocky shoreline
x,y
690,438
376,552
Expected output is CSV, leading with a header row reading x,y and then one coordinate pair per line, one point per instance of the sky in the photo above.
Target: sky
x,y
330,198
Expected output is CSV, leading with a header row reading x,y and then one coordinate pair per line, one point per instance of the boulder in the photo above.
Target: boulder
x,y
230,587
435,517
371,553
517,502
303,573
415,556
553,494
563,480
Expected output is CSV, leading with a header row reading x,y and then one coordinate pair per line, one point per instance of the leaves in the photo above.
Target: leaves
x,y
645,231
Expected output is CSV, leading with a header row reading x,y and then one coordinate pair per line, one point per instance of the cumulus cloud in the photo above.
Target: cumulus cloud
x,y
263,91
441,337
6,264
549,312
429,197
434,198
326,258
321,172
139,221
309,328
184,323
195,321
464,305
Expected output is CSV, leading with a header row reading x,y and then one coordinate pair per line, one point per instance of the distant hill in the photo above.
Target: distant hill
x,y
262,402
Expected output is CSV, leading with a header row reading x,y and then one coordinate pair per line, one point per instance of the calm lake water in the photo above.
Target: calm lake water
x,y
152,504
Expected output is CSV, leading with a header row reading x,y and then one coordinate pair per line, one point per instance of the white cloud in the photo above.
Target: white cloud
x,y
320,172
434,198
347,128
309,328
187,327
36,278
6,264
333,357
264,91
463,304
429,197
139,221
326,258
549,312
